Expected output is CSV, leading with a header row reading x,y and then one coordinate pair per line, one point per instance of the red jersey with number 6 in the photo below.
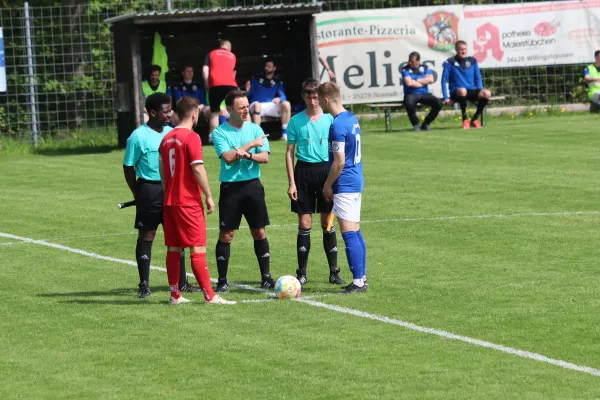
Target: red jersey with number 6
x,y
179,150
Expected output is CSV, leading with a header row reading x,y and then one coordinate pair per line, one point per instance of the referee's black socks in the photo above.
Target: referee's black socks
x,y
303,248
261,249
143,255
330,246
222,253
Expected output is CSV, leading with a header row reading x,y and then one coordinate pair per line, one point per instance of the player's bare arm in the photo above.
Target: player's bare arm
x,y
205,72
233,156
334,173
428,80
261,158
129,173
202,179
289,166
411,82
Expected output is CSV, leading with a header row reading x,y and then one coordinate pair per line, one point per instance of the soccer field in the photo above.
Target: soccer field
x,y
482,265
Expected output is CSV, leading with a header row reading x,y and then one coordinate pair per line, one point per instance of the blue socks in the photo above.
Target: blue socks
x,y
364,250
355,253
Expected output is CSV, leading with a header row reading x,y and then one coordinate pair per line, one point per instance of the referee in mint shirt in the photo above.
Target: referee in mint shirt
x,y
308,134
141,159
242,146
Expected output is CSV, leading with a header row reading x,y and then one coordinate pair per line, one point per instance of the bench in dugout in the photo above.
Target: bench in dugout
x,y
389,108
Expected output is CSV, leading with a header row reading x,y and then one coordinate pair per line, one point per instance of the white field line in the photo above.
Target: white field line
x,y
374,221
344,310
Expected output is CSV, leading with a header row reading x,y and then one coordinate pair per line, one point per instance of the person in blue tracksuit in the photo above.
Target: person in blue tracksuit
x,y
462,82
416,78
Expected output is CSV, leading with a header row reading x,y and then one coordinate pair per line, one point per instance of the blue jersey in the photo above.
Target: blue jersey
x,y
142,151
344,136
463,73
264,90
418,73
189,89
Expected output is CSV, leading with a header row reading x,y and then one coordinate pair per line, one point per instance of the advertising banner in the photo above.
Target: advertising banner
x,y
530,34
367,49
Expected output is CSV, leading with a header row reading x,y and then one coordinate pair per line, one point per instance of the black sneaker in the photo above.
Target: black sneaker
x,y
301,276
144,290
267,282
334,277
425,127
222,286
352,288
186,287
416,128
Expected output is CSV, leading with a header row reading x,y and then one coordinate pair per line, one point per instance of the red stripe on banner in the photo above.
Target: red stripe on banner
x,y
533,9
349,41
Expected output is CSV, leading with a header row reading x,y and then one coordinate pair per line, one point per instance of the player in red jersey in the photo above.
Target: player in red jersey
x,y
184,179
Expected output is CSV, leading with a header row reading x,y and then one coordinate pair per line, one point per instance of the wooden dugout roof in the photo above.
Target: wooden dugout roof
x,y
218,14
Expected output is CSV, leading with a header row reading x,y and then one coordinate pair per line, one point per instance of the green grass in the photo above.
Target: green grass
x,y
525,277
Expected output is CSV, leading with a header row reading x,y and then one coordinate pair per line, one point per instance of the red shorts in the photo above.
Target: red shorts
x,y
184,226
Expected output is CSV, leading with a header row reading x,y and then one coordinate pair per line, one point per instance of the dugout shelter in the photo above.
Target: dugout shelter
x,y
285,33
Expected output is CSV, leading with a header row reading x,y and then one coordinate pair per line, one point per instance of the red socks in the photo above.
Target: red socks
x,y
173,272
200,269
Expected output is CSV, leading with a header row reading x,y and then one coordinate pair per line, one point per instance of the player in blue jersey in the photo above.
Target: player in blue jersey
x,y
308,134
462,82
241,146
268,99
344,184
141,160
415,78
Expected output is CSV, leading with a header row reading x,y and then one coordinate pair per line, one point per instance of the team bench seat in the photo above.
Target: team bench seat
x,y
389,108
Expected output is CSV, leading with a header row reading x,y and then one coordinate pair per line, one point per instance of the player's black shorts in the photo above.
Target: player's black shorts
x,y
245,198
149,205
472,95
216,95
310,178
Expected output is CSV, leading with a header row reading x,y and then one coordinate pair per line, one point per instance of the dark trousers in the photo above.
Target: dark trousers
x,y
411,101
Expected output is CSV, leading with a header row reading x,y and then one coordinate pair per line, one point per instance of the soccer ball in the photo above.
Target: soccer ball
x,y
288,287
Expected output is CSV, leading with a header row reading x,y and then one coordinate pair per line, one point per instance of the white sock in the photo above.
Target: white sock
x,y
358,282
284,126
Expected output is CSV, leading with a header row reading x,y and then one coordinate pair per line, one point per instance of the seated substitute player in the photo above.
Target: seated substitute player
x,y
141,159
415,78
190,87
184,180
462,76
267,97
241,146
154,84
592,78
344,184
308,134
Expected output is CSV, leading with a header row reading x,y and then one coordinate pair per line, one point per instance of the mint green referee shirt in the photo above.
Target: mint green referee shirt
x,y
310,137
225,137
141,151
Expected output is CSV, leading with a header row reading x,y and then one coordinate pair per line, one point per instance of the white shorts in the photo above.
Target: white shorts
x,y
269,109
596,97
346,206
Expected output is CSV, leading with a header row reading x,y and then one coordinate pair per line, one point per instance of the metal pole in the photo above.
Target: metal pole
x,y
34,123
169,5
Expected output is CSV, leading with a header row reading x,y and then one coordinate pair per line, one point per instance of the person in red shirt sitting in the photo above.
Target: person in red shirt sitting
x,y
184,179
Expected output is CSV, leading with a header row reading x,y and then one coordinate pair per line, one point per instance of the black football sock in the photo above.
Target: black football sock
x,y
303,248
330,246
182,275
480,106
223,252
261,249
143,254
462,101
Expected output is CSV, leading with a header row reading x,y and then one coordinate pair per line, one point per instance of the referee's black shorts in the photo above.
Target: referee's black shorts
x,y
310,178
216,95
245,198
149,205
